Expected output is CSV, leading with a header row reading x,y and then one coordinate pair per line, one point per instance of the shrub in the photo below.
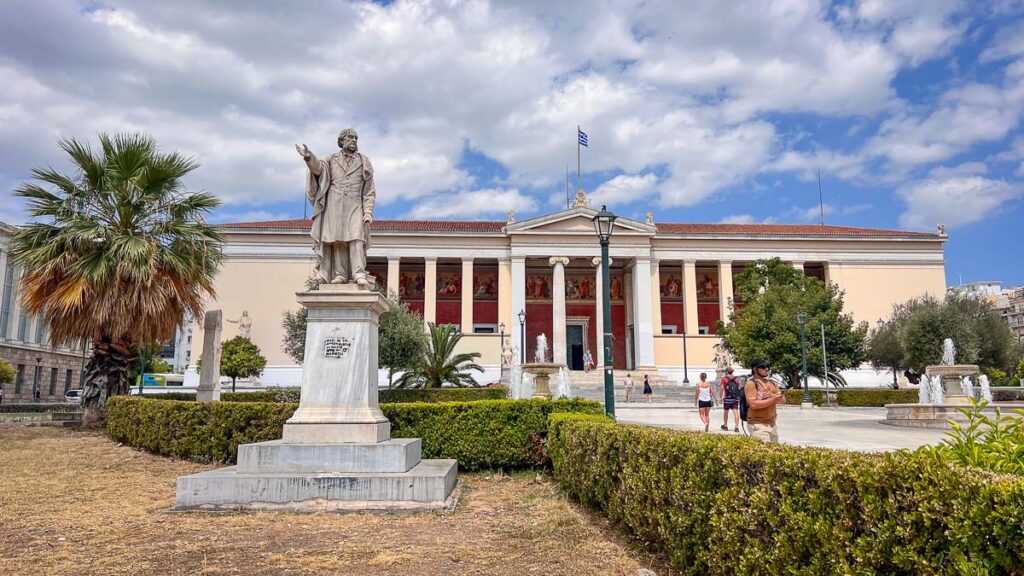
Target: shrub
x,y
290,394
861,398
482,434
185,396
384,396
786,510
993,443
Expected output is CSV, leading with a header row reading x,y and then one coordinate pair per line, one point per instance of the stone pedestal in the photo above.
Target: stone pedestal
x,y
209,374
335,453
542,372
951,376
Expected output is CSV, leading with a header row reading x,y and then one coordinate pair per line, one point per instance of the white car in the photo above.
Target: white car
x,y
73,396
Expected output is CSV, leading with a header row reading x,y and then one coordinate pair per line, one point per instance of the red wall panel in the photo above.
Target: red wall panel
x,y
449,312
707,315
485,312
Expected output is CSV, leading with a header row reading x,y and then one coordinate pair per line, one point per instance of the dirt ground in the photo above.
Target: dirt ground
x,y
74,502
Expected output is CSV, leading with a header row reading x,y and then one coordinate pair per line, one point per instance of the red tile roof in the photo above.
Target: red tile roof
x,y
665,228
382,225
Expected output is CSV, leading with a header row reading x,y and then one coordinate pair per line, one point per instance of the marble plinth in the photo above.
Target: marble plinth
x,y
937,415
542,372
951,376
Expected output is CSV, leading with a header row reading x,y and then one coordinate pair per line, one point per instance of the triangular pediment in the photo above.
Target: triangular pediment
x,y
575,221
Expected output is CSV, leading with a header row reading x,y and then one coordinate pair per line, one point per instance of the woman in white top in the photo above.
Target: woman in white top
x,y
704,396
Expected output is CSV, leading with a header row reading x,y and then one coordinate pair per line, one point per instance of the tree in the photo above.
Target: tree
x,y
439,364
402,339
117,252
294,341
7,373
767,326
240,358
885,349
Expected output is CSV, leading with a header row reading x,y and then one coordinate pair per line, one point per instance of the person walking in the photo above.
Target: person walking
x,y
648,391
587,361
762,396
704,397
1,394
629,388
730,394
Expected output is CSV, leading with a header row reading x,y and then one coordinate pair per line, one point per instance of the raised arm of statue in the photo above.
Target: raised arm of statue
x,y
311,160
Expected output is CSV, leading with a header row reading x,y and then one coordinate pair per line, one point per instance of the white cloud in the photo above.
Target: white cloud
x,y
738,219
624,189
953,201
1008,43
473,204
965,169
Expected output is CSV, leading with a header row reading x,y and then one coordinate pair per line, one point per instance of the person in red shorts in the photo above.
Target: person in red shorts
x,y
730,395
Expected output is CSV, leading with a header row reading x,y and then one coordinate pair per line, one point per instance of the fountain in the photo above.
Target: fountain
x,y
944,390
541,369
562,390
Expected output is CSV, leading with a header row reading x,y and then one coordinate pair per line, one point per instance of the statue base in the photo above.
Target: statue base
x,y
335,453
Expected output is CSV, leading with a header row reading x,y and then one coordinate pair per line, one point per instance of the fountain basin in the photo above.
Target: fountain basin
x,y
939,415
951,374
542,372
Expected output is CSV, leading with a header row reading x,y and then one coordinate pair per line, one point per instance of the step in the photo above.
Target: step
x,y
395,455
428,485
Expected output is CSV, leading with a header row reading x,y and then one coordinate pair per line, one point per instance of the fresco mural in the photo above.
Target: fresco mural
x,y
485,286
538,285
580,287
707,285
449,285
410,285
671,288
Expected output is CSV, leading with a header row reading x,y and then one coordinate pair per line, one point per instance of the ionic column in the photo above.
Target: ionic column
x,y
3,294
724,289
430,291
656,296
393,275
518,302
506,315
643,327
599,314
467,295
799,265
558,355
690,296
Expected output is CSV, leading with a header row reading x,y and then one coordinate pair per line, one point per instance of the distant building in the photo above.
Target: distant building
x,y
990,290
178,350
1013,309
25,345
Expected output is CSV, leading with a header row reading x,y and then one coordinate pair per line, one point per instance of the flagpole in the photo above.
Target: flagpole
x,y
567,186
579,178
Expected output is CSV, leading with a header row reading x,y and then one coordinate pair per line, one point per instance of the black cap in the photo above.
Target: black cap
x,y
759,363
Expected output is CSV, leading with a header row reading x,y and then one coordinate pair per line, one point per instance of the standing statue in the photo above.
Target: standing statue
x,y
506,355
723,358
948,352
342,192
244,325
541,354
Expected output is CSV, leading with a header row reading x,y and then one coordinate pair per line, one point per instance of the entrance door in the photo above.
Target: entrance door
x,y
574,346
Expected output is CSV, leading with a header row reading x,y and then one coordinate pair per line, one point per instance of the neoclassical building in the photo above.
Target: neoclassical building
x,y
669,281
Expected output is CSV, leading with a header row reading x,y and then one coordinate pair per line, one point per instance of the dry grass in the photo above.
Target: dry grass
x,y
76,503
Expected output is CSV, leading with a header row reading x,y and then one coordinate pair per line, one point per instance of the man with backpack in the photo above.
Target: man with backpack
x,y
757,405
731,391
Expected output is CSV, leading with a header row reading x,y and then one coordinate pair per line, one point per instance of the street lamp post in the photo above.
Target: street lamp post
x,y
522,336
603,224
501,353
802,319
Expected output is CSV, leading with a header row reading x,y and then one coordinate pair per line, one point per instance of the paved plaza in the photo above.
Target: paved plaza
x,y
842,428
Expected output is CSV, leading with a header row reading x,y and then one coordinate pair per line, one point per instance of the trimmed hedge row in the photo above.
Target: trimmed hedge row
x,y
857,397
291,394
40,407
482,434
732,505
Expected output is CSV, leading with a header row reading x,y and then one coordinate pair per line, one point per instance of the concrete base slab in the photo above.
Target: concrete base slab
x,y
427,486
396,455
938,416
340,432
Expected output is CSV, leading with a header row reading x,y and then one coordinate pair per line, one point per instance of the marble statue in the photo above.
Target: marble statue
x,y
343,195
948,352
723,358
506,355
244,325
542,348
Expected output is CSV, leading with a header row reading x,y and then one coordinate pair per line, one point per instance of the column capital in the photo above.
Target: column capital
x,y
725,262
468,258
430,259
394,258
555,260
597,261
690,262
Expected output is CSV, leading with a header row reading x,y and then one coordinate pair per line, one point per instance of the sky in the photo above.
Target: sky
x,y
696,111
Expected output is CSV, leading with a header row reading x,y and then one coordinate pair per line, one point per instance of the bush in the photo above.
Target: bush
x,y
993,443
291,394
482,434
787,510
184,396
860,398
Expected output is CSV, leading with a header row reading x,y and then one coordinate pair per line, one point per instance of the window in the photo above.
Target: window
x,y
20,379
485,329
22,326
67,380
703,330
53,381
669,329
40,328
7,301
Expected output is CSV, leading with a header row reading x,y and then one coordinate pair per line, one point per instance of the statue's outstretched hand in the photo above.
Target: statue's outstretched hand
x,y
304,152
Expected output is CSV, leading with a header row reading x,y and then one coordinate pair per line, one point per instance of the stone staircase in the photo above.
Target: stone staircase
x,y
596,378
670,394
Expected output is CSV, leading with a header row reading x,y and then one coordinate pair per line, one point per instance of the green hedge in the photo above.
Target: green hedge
x,y
857,397
717,504
481,434
291,394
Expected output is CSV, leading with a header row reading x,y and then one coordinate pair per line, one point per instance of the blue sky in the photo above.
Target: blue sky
x,y
696,111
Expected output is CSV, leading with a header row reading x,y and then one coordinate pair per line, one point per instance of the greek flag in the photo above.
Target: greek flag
x,y
582,136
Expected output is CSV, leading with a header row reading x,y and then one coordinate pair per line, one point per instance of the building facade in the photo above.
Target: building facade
x,y
669,281
43,372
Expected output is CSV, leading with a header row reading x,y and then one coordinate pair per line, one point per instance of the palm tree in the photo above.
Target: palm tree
x,y
439,364
116,253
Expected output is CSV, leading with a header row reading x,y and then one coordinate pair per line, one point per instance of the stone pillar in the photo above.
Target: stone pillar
x,y
656,296
209,374
467,295
799,265
394,273
599,314
558,355
3,275
506,315
430,290
724,289
643,327
12,332
690,296
518,302
828,276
